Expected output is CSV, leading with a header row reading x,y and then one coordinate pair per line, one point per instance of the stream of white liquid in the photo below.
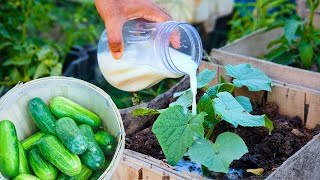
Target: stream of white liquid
x,y
131,73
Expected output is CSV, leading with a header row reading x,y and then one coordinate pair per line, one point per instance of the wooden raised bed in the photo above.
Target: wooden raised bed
x,y
291,99
304,164
296,91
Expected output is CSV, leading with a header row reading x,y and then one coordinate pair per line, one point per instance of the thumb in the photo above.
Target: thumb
x,y
114,28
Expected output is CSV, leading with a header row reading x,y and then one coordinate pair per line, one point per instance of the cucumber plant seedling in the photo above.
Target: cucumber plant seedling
x,y
179,132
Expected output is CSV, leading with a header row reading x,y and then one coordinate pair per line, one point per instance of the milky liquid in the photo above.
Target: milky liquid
x,y
134,72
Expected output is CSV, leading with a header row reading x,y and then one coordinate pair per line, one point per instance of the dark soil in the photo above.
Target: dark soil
x,y
265,151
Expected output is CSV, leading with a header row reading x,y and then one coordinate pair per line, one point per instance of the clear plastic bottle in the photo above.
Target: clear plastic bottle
x,y
149,56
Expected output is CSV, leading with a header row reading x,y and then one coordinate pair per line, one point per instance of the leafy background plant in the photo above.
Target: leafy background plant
x,y
251,16
35,36
300,44
180,132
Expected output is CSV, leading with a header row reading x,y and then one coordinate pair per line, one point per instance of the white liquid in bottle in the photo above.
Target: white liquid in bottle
x,y
132,74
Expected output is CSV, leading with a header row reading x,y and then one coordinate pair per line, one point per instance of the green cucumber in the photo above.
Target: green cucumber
x,y
63,107
83,175
58,155
41,167
96,175
31,142
23,161
9,150
70,135
107,142
26,177
41,116
93,158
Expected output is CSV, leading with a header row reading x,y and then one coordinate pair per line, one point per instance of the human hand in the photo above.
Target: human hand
x,y
116,12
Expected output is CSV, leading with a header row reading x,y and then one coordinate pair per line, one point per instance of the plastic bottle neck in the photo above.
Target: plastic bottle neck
x,y
190,43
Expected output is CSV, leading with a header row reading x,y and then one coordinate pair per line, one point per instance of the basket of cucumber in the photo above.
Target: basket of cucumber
x,y
59,128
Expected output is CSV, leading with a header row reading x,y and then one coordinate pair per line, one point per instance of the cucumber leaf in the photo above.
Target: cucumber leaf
x,y
204,77
232,111
205,105
245,75
175,131
245,102
218,156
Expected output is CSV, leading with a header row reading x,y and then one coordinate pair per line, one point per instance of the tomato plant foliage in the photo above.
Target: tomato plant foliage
x,y
178,131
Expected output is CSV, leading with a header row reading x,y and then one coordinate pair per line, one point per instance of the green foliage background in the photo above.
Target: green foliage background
x,y
35,36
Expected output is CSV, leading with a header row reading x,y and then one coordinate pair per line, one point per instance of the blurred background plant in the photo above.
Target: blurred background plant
x,y
300,44
250,16
35,36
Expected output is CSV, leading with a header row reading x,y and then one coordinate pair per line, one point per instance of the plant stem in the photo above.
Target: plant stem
x,y
210,131
312,10
204,170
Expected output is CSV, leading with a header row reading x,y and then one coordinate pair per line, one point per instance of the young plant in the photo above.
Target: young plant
x,y
180,132
300,44
252,16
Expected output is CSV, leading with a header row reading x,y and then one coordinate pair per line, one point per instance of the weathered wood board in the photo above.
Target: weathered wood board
x,y
136,166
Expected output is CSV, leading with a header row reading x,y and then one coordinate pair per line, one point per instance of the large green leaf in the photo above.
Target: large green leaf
x,y
306,54
218,156
205,105
290,29
245,75
176,130
245,102
184,100
232,111
204,77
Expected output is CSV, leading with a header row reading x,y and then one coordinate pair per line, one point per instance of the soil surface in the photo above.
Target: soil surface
x,y
265,151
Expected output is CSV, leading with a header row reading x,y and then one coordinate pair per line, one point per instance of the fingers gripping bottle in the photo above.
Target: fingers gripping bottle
x,y
149,56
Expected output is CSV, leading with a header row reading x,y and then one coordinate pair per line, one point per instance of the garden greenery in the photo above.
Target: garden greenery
x,y
300,44
179,132
35,36
252,16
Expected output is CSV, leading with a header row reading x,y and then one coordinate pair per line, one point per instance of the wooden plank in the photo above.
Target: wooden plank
x,y
159,169
275,71
127,170
254,44
313,116
290,101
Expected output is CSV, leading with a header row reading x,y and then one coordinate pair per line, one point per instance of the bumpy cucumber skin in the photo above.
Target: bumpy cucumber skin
x,y
9,150
42,116
54,151
26,177
83,175
31,142
23,161
41,167
93,158
63,107
107,142
71,136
